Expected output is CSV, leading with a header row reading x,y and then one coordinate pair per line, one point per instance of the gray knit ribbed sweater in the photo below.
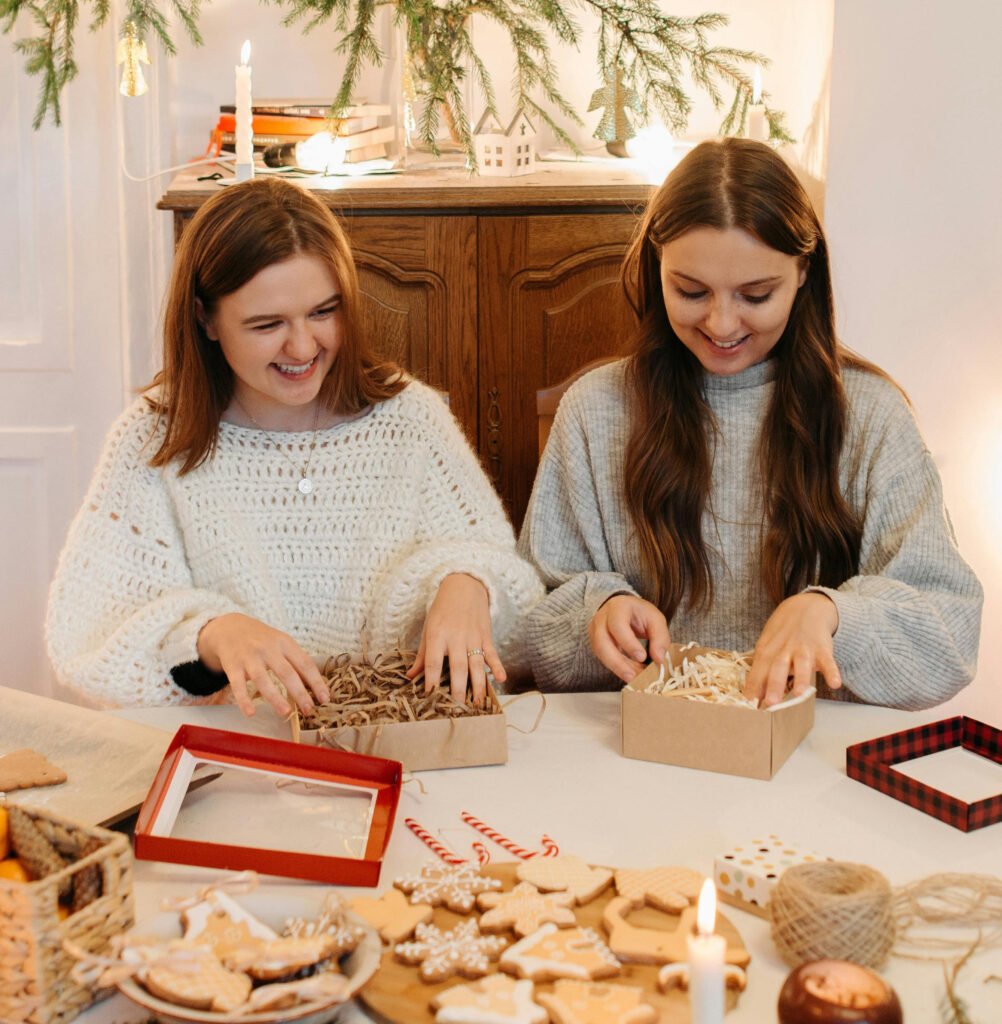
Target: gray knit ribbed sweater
x,y
909,623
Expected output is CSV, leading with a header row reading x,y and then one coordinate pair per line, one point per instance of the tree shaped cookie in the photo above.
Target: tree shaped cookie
x,y
463,950
589,1002
452,885
496,999
524,909
552,952
565,872
392,915
669,889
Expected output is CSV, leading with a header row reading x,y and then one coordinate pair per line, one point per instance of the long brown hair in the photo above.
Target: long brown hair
x,y
811,535
235,235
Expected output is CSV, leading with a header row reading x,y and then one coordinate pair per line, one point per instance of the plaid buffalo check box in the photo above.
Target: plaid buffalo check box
x,y
872,763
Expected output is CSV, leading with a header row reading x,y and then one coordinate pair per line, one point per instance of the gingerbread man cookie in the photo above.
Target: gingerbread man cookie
x,y
552,952
496,999
524,909
452,885
565,872
392,915
442,954
588,1002
669,889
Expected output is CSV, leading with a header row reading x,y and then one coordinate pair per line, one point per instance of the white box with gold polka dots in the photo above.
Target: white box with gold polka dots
x,y
746,875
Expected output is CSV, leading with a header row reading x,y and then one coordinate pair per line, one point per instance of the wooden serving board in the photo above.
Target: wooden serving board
x,y
397,992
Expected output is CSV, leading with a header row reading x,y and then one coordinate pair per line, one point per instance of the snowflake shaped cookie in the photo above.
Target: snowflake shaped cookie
x,y
452,885
565,872
586,1002
524,909
552,952
496,999
442,954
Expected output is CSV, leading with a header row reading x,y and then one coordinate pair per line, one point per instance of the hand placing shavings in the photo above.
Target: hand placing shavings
x,y
365,693
715,677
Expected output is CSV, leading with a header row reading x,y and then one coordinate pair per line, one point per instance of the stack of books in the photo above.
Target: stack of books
x,y
277,122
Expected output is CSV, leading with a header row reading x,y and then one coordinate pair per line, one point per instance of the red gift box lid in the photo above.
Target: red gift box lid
x,y
295,797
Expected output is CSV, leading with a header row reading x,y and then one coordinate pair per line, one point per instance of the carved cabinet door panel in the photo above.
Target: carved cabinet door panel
x,y
550,302
419,299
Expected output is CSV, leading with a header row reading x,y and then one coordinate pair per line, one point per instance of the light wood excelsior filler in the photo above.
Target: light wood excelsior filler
x,y
488,288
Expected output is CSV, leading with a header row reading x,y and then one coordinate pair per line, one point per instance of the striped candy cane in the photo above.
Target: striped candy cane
x,y
483,854
551,848
439,849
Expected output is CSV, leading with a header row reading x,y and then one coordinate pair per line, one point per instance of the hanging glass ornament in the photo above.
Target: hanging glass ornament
x,y
132,55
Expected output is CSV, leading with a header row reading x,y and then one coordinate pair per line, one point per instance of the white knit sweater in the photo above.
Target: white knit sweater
x,y
400,501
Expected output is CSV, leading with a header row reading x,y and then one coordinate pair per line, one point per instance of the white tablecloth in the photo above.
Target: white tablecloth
x,y
569,780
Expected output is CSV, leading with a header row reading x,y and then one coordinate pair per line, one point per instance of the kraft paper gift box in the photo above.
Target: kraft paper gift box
x,y
714,737
746,875
272,806
421,746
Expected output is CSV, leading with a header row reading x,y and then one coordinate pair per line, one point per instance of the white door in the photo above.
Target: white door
x,y
65,356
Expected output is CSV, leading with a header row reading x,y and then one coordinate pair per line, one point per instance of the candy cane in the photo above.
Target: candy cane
x,y
550,847
439,849
507,844
483,854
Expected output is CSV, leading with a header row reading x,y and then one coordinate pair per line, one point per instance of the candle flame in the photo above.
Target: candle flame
x,y
756,96
706,909
245,52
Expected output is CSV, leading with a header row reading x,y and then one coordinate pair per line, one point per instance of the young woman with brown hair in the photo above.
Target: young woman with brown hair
x,y
742,479
279,495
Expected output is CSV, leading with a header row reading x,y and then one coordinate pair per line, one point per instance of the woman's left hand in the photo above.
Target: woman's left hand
x,y
458,626
796,642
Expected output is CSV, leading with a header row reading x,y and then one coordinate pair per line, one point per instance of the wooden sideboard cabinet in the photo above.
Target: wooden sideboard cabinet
x,y
488,288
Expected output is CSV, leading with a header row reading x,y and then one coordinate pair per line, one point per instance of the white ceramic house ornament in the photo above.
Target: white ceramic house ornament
x,y
505,152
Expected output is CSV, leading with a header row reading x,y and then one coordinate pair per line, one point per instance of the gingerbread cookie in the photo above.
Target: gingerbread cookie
x,y
463,950
327,987
588,1002
222,925
565,872
638,945
332,923
280,958
552,952
37,855
25,768
669,889
524,909
496,999
195,978
451,885
392,915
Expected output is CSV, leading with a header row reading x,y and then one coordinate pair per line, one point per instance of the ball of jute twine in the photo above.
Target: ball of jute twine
x,y
830,909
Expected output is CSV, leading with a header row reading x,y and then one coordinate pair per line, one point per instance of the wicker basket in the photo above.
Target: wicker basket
x,y
36,986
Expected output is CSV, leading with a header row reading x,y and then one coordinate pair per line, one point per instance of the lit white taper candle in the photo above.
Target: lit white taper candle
x,y
758,127
244,116
706,962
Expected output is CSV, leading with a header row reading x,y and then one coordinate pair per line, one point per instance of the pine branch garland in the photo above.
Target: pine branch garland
x,y
650,50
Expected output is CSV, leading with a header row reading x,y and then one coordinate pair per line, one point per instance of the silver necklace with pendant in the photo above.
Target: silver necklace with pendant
x,y
305,483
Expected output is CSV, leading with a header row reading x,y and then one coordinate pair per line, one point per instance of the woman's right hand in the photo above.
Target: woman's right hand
x,y
617,629
249,651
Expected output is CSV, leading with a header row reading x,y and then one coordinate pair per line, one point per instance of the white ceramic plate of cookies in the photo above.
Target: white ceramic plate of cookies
x,y
274,911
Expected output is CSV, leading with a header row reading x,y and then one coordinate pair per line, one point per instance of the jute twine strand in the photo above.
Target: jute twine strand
x,y
830,909
850,912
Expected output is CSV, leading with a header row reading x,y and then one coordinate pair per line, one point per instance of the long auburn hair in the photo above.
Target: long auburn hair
x,y
811,535
233,236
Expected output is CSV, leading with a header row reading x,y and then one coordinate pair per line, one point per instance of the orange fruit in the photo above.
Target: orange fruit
x,y
4,833
13,871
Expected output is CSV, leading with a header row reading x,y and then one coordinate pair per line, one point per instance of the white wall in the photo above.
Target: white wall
x,y
914,216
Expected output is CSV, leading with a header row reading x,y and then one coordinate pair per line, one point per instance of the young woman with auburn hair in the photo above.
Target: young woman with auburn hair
x,y
742,479
279,494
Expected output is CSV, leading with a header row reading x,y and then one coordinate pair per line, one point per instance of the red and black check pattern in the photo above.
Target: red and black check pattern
x,y
872,761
